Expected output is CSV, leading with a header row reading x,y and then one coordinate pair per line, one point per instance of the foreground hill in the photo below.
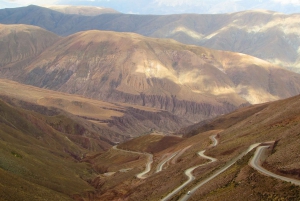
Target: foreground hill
x,y
192,82
264,34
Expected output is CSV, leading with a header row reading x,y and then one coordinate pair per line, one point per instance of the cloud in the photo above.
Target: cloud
x,y
286,2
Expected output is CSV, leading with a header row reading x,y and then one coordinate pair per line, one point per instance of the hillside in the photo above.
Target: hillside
x,y
276,122
267,35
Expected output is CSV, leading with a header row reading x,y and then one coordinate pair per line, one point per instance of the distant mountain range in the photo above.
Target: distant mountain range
x,y
264,34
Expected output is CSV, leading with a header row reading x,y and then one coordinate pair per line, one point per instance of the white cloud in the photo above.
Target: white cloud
x,y
285,2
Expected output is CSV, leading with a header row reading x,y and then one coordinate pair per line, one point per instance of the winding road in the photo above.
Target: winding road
x,y
229,164
148,167
214,140
256,162
189,171
148,164
163,162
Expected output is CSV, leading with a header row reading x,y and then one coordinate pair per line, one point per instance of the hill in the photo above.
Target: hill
x,y
267,35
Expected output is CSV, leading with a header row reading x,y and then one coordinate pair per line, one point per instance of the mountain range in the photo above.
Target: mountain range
x,y
192,82
267,35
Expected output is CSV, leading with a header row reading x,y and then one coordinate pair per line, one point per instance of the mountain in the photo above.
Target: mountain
x,y
264,34
192,82
81,10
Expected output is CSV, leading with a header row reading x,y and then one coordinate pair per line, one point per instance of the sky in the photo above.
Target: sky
x,y
170,6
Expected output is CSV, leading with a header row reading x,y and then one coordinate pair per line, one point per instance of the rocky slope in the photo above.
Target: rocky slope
x,y
192,82
264,34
